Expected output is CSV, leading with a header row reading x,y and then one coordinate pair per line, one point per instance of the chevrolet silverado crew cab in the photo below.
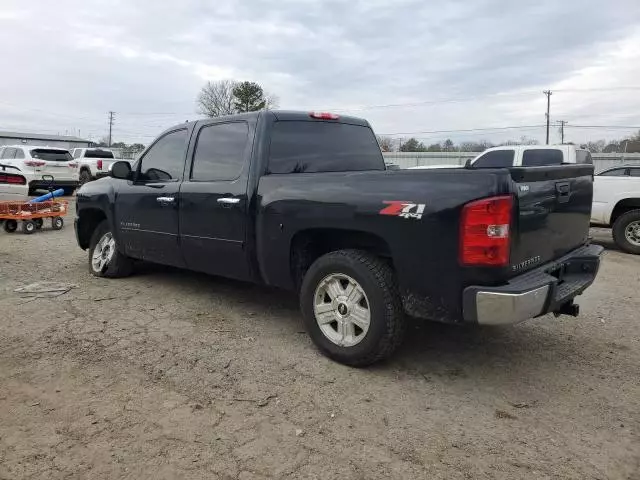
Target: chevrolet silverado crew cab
x,y
616,205
94,162
302,201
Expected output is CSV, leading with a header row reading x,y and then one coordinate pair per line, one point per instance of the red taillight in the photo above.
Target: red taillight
x,y
13,179
484,232
34,163
73,165
324,116
99,163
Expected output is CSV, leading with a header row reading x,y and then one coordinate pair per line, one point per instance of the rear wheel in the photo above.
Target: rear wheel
x,y
104,258
10,226
626,232
28,227
85,177
352,308
57,223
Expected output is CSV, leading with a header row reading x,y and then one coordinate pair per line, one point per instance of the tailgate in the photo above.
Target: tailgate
x,y
553,213
57,163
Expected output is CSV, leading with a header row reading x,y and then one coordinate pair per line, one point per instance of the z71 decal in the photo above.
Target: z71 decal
x,y
403,209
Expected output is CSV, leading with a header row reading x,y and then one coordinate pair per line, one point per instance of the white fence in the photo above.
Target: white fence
x,y
601,161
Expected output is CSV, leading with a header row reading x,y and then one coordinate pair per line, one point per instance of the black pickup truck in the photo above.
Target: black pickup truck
x,y
302,201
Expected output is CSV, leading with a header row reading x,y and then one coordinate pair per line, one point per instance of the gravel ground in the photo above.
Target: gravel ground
x,y
170,374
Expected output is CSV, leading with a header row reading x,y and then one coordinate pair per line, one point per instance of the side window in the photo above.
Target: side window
x,y
219,153
19,154
618,172
8,153
634,172
540,157
495,159
164,161
77,153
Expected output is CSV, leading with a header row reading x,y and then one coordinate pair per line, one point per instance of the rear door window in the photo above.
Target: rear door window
x,y
51,155
301,147
495,159
540,157
8,153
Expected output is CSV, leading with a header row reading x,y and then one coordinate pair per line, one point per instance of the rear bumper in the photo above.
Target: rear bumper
x,y
547,289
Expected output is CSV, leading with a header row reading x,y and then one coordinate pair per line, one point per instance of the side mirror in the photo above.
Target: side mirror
x,y
467,164
121,170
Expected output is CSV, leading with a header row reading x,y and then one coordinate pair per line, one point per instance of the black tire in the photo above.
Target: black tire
x,y
119,266
10,226
29,227
85,177
619,227
57,223
387,320
39,223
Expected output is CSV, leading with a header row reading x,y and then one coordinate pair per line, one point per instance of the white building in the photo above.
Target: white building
x,y
60,141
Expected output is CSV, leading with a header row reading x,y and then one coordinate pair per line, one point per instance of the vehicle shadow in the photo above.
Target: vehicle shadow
x,y
601,236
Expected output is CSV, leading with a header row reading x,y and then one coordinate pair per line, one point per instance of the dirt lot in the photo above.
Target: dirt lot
x,y
170,374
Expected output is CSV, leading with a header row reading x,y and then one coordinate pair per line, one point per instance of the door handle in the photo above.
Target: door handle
x,y
165,200
229,201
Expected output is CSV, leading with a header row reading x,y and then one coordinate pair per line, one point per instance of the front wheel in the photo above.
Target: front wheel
x,y
57,223
626,232
10,225
352,307
104,258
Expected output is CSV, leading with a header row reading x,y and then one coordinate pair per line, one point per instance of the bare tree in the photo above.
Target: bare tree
x,y
386,143
216,98
271,101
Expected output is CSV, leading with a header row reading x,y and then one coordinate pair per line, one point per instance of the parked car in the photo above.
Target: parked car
x,y
94,163
303,201
13,185
616,205
33,162
531,156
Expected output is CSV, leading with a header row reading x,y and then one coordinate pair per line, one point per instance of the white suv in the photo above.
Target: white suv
x,y
33,162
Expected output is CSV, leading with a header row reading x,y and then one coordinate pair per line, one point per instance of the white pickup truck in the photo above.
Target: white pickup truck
x,y
94,162
616,205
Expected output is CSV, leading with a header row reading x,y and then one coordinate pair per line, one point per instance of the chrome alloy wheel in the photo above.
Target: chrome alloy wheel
x,y
342,310
632,233
103,253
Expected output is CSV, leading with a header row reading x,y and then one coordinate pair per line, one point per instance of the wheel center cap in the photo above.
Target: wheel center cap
x,y
342,309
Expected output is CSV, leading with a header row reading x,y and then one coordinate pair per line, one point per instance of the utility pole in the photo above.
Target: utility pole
x,y
548,94
562,124
111,114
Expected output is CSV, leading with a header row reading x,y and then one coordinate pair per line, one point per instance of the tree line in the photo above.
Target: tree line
x,y
390,144
227,97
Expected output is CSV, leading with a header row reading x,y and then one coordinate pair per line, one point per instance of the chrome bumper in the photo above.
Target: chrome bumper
x,y
547,289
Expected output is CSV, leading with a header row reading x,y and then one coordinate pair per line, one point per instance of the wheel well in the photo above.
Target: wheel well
x,y
88,220
307,246
624,206
85,169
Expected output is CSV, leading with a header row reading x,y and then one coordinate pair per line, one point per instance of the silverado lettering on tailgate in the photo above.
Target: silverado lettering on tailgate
x,y
403,209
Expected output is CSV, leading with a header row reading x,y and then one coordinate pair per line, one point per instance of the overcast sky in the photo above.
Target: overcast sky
x,y
449,65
